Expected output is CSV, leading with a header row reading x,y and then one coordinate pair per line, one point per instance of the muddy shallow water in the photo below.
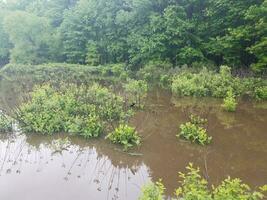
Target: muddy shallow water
x,y
41,167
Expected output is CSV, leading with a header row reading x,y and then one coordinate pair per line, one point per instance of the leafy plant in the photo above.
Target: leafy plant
x,y
193,131
194,187
261,93
153,191
125,135
229,102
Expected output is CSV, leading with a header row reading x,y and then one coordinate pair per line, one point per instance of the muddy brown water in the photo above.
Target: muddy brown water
x,y
43,167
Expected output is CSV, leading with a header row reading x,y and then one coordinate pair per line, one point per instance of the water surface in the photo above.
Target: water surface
x,y
43,167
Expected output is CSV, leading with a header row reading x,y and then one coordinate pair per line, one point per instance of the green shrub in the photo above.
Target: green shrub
x,y
194,187
74,109
235,189
229,102
5,123
261,93
193,131
153,191
136,92
125,135
208,83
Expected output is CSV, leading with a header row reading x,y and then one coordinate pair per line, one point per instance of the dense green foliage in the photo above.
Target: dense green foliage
x,y
209,83
261,93
194,131
134,31
153,191
125,135
229,102
74,109
5,123
194,187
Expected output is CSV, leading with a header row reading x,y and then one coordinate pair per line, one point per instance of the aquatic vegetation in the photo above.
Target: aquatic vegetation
x,y
5,123
261,93
136,92
153,191
194,131
194,186
81,110
209,83
229,102
125,135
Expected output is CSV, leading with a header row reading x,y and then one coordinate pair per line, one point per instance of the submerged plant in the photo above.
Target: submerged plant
x,y
125,135
194,131
229,102
5,123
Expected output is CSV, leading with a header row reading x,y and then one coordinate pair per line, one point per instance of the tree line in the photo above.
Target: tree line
x,y
94,32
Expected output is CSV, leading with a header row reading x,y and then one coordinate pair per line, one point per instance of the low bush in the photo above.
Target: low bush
x,y
229,102
194,131
5,123
208,83
153,191
125,135
74,109
194,187
261,93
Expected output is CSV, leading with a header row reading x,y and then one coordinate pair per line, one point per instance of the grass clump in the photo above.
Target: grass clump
x,y
194,131
229,102
5,123
80,110
125,135
194,187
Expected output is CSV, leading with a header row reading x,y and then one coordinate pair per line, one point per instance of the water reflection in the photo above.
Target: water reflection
x,y
29,160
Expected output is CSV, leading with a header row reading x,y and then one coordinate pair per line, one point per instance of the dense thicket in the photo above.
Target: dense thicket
x,y
232,32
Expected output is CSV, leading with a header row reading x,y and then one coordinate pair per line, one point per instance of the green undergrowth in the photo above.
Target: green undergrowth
x,y
194,187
